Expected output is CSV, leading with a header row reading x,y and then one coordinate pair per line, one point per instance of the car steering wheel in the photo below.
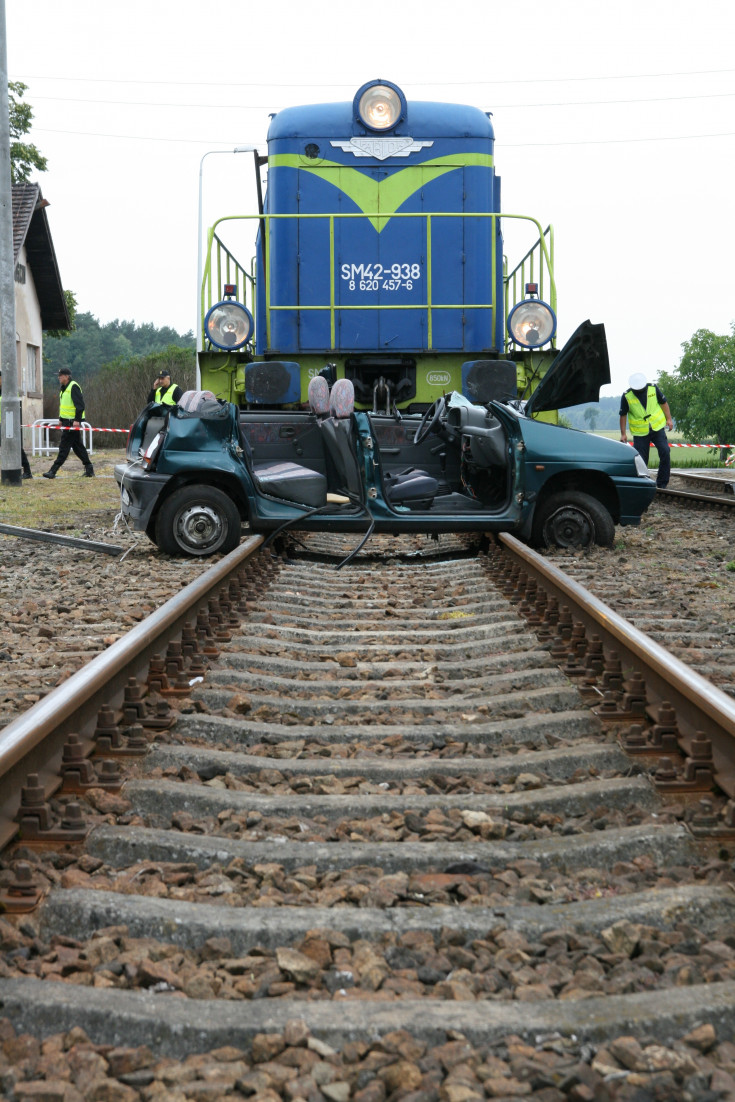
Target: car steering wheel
x,y
432,416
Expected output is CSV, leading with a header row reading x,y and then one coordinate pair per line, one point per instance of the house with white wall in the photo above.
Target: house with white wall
x,y
39,294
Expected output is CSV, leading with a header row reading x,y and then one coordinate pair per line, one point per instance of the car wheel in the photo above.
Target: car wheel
x,y
198,521
573,520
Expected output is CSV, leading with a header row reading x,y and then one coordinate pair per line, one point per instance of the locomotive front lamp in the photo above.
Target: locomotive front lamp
x,y
228,325
531,323
380,105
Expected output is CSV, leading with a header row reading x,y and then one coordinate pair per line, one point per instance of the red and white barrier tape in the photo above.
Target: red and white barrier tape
x,y
700,445
92,429
674,445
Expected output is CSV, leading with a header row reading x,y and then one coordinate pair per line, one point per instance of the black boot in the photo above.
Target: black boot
x,y
28,473
89,471
51,473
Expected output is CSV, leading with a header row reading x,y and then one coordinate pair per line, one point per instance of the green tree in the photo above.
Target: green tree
x,y
117,393
71,309
591,415
701,392
24,156
91,345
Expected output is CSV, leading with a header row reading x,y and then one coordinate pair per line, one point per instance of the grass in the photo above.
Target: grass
x,y
680,457
66,501
686,459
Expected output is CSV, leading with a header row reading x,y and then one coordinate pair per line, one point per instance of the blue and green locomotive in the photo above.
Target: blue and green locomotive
x,y
378,258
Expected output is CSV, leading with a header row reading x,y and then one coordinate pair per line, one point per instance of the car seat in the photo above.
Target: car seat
x,y
319,396
153,426
339,439
192,401
286,480
412,487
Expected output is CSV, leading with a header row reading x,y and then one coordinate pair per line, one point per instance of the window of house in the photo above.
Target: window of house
x,y
30,373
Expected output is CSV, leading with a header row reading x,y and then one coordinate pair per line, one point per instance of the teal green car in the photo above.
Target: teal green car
x,y
197,472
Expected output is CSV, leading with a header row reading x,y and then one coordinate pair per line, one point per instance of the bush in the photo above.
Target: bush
x,y
118,392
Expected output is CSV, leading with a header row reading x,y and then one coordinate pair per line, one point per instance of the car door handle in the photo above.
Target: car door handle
x,y
287,431
390,451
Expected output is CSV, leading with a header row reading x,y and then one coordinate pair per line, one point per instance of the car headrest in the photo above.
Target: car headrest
x,y
342,399
319,396
193,400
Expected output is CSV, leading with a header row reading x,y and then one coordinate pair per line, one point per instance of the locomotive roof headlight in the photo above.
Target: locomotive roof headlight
x,y
379,105
228,325
531,323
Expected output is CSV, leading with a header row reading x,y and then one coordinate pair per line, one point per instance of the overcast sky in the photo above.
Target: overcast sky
x,y
615,123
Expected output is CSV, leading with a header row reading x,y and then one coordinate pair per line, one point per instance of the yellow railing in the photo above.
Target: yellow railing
x,y
537,266
221,267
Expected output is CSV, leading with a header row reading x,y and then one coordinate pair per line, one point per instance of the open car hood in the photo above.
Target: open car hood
x,y
576,374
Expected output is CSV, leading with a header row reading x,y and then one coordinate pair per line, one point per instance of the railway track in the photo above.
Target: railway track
x,y
698,489
416,826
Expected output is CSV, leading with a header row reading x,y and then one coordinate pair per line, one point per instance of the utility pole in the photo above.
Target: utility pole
x,y
11,426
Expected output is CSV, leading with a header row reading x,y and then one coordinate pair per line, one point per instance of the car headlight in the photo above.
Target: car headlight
x,y
531,323
228,325
380,105
641,467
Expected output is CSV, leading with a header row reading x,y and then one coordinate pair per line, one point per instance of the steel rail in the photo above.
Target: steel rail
x,y
700,706
701,496
33,742
724,485
65,541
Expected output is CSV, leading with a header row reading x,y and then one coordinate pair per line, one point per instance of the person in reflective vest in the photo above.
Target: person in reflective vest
x,y
71,414
27,473
164,392
648,415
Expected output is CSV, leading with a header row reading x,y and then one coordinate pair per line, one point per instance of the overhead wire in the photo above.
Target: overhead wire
x,y
269,106
350,84
439,84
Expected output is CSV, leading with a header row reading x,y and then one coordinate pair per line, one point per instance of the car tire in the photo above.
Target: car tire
x,y
198,521
572,520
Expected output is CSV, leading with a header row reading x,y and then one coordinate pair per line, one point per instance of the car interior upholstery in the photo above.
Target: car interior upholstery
x,y
286,479
462,466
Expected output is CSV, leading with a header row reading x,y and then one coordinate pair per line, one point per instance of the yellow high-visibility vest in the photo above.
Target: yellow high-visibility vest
x,y
166,397
66,406
640,419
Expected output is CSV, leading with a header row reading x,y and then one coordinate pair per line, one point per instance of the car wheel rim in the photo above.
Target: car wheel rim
x,y
569,527
199,528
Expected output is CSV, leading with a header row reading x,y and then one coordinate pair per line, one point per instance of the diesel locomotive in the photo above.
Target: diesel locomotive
x,y
378,257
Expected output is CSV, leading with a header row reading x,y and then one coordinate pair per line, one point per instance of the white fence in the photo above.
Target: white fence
x,y
40,441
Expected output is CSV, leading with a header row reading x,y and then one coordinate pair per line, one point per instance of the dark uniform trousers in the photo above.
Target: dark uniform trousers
x,y
71,441
658,438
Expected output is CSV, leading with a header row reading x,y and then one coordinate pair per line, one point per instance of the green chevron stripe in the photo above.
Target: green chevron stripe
x,y
387,195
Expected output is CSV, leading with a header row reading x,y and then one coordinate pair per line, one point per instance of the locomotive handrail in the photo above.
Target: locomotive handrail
x,y
233,271
540,249
519,270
